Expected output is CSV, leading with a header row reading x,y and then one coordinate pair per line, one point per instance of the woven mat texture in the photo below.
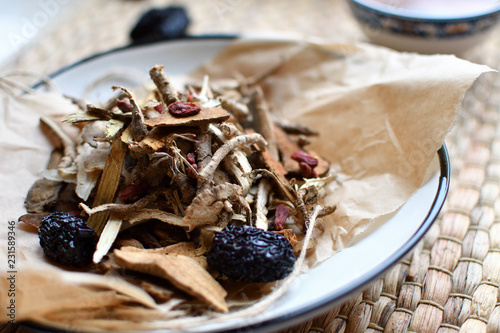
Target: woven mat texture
x,y
449,282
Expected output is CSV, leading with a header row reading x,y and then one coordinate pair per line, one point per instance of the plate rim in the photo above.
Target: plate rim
x,y
331,300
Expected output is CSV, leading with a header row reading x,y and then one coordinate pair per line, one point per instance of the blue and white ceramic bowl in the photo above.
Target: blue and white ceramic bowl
x,y
426,26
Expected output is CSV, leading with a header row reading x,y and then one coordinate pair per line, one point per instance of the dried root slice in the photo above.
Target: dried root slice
x,y
207,172
208,204
108,185
183,272
107,237
261,204
188,249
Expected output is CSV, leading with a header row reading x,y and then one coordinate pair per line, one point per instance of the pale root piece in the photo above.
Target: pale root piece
x,y
236,162
207,205
107,237
204,117
108,184
261,204
183,272
254,138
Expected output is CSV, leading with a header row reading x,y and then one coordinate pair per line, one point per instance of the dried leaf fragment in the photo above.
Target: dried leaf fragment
x,y
42,195
183,272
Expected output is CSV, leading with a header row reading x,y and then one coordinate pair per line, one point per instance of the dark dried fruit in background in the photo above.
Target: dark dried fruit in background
x,y
280,217
251,254
165,23
180,109
67,239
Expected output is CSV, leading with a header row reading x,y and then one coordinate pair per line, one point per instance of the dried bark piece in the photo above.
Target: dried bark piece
x,y
204,117
274,166
159,293
262,121
292,128
208,204
287,148
183,272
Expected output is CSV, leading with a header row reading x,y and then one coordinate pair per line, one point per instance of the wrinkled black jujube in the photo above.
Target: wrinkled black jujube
x,y
67,239
165,23
251,254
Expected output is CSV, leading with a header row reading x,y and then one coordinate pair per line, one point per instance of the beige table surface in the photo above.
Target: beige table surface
x,y
449,282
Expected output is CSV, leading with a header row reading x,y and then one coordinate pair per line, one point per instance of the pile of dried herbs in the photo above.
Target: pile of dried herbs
x,y
157,178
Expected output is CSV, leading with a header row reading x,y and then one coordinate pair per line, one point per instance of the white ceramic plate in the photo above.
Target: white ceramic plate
x,y
331,281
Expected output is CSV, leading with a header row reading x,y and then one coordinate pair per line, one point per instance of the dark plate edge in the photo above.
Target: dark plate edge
x,y
327,303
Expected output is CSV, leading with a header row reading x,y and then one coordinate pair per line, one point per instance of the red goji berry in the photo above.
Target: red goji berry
x,y
124,105
180,109
301,156
191,173
159,107
282,213
133,190
307,171
191,158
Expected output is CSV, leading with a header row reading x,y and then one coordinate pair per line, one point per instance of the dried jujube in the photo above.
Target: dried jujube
x,y
67,239
251,254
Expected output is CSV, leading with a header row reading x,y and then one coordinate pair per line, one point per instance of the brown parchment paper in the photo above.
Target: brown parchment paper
x,y
381,115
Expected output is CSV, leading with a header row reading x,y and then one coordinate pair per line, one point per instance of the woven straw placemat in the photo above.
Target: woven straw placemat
x,y
449,282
